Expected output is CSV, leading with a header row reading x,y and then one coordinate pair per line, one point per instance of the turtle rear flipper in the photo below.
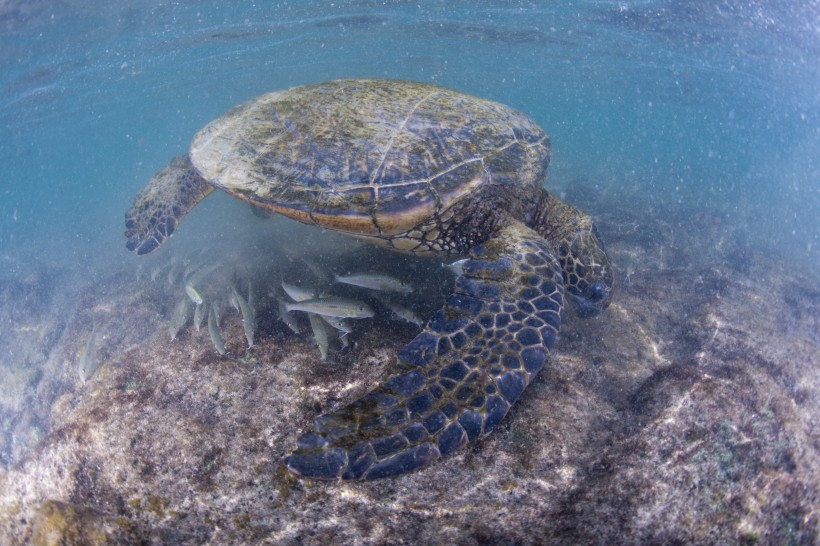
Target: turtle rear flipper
x,y
458,378
162,204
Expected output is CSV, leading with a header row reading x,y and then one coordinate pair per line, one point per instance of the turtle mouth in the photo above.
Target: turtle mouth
x,y
595,299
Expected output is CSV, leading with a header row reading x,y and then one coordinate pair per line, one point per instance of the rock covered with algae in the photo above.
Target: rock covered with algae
x,y
686,413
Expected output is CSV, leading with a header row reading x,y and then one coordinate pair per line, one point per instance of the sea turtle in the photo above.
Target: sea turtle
x,y
421,169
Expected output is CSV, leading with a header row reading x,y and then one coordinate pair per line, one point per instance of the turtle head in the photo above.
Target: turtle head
x,y
587,272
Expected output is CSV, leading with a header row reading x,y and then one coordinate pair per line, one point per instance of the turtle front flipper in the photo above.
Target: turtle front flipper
x,y
162,204
458,377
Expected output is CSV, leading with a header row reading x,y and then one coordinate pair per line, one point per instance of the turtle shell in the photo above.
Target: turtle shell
x,y
368,157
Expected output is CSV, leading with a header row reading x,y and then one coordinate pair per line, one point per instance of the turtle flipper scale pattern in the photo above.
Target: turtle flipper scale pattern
x,y
458,378
160,206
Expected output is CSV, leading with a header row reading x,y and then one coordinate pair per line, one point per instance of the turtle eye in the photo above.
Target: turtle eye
x,y
596,291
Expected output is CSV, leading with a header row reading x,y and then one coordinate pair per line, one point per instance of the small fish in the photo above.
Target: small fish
x,y
200,313
196,275
319,272
193,294
287,318
456,267
251,301
248,315
334,307
217,308
375,281
180,316
234,302
343,325
298,293
319,333
88,363
402,312
175,271
216,337
629,268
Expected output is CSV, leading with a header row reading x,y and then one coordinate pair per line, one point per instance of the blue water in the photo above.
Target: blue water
x,y
699,103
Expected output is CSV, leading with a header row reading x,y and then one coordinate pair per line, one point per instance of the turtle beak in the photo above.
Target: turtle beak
x,y
595,299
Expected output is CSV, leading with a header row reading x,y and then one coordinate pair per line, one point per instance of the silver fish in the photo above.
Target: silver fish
x,y
375,281
193,294
629,267
343,325
251,301
319,333
200,313
248,315
175,271
402,312
217,305
456,267
319,272
287,318
216,337
197,274
88,362
334,307
180,316
298,293
234,302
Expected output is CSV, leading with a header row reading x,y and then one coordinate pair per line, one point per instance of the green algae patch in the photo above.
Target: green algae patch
x,y
57,522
